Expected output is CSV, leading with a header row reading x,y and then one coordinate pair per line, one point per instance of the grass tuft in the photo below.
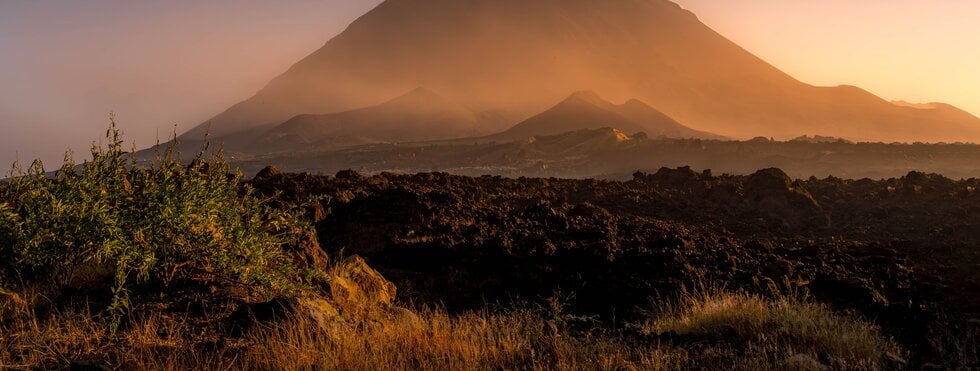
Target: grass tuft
x,y
787,330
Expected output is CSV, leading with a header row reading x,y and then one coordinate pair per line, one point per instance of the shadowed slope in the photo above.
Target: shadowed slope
x,y
587,110
418,115
520,56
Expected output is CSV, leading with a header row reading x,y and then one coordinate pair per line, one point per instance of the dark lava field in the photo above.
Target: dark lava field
x,y
902,252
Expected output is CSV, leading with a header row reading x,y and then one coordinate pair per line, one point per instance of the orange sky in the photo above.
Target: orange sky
x,y
920,51
67,63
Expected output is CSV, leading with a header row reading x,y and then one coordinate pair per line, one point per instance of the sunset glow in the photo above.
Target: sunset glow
x,y
490,184
918,51
160,64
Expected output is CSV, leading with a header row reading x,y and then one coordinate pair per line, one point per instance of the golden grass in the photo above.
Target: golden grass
x,y
786,331
779,334
439,341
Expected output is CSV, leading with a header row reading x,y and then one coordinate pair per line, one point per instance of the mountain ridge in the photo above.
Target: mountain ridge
x,y
586,109
418,115
517,57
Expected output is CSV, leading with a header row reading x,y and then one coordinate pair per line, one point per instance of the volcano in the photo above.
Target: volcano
x,y
587,110
517,57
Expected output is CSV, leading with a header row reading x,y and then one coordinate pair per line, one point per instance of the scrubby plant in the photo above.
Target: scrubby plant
x,y
784,330
8,229
108,219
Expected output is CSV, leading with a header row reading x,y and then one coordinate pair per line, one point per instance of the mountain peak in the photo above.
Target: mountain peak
x,y
585,100
586,110
588,96
517,58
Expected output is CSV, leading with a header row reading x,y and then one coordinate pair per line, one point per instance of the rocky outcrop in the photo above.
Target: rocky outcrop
x,y
773,194
352,292
267,172
309,254
356,288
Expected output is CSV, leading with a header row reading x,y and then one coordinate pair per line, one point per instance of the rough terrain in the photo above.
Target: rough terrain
x,y
902,252
609,153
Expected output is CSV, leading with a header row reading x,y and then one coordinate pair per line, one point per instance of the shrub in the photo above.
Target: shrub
x,y
108,219
8,230
787,330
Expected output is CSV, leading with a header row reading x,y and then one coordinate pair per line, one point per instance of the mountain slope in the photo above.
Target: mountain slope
x,y
587,110
416,116
519,56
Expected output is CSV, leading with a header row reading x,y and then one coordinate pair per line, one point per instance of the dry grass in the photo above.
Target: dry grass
x,y
779,334
80,339
788,331
432,341
438,341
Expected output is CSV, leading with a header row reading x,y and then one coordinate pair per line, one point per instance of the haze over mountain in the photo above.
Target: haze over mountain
x,y
415,116
519,57
587,110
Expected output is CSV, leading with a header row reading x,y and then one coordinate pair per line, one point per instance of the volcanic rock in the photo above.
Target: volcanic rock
x,y
774,194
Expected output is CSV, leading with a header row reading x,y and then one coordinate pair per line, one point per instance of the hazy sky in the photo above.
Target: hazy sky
x,y
64,64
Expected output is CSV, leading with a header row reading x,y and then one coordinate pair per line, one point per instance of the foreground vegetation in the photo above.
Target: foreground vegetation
x,y
767,335
183,266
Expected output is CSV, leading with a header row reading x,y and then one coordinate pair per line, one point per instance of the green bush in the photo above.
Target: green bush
x,y
109,218
8,230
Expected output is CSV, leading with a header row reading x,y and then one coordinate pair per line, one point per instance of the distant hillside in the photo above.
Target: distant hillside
x,y
518,57
610,153
416,116
587,110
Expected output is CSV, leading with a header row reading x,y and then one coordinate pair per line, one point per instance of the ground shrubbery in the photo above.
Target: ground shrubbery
x,y
108,219
788,329
785,333
427,339
109,228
